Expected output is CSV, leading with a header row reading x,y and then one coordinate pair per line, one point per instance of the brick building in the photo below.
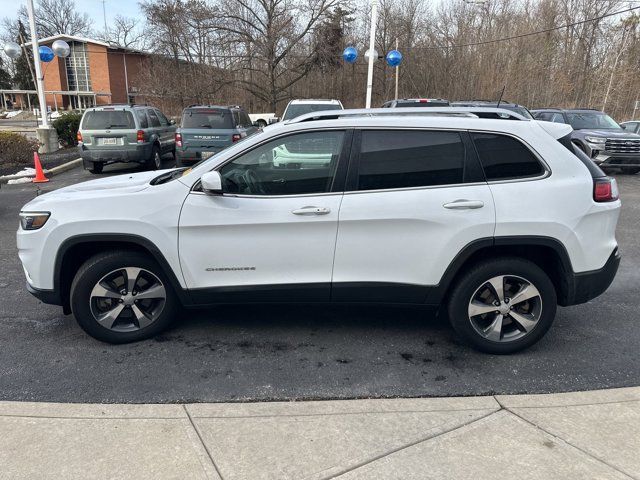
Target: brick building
x,y
94,73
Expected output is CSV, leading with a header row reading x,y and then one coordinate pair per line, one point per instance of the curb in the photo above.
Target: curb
x,y
54,171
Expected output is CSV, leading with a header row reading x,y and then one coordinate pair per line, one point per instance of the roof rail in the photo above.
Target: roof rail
x,y
472,112
121,104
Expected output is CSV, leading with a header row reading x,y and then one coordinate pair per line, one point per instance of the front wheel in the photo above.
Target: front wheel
x,y
122,296
155,161
503,305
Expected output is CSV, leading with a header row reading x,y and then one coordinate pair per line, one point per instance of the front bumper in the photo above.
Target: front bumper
x,y
50,297
585,286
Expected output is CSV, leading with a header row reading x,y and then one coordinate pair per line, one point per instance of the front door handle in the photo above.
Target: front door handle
x,y
464,204
311,211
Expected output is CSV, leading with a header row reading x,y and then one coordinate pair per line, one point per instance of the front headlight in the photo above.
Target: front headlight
x,y
33,220
600,140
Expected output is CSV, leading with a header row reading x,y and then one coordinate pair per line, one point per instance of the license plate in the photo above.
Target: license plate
x,y
109,141
205,155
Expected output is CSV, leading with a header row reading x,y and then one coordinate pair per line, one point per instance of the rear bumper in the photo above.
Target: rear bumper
x,y
137,154
585,286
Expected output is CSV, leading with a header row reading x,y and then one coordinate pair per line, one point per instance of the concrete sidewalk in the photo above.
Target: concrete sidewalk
x,y
586,435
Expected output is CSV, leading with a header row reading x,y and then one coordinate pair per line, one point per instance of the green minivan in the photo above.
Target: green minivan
x,y
125,133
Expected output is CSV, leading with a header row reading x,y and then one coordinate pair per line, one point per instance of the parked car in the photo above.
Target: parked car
x,y
124,133
632,126
599,136
513,107
261,120
499,220
295,108
207,129
416,102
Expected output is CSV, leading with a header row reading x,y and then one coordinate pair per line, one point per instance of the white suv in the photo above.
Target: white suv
x,y
499,220
297,108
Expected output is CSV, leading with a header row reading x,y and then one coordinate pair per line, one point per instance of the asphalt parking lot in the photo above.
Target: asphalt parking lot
x,y
306,352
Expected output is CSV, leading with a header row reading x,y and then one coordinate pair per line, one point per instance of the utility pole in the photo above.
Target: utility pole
x,y
104,16
372,39
36,62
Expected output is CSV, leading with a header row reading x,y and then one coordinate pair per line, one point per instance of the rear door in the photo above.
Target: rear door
x,y
414,200
108,128
207,129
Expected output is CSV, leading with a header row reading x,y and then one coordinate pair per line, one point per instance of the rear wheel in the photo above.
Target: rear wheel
x,y
155,161
503,305
122,296
97,167
261,123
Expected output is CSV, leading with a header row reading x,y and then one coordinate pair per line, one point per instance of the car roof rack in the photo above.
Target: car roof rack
x,y
469,112
122,104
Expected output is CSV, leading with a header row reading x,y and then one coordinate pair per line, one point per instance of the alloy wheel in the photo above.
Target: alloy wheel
x,y
505,308
127,299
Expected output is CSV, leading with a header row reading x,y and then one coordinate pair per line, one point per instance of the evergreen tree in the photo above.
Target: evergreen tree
x,y
5,78
22,77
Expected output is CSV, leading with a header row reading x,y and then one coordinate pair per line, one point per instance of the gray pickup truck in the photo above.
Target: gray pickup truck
x,y
599,136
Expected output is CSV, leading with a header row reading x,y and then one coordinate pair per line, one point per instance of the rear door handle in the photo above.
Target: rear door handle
x,y
464,204
311,211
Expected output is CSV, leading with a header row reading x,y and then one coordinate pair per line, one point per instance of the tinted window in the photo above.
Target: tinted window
x,y
207,118
154,121
163,120
142,118
504,157
399,159
246,121
108,120
293,165
296,110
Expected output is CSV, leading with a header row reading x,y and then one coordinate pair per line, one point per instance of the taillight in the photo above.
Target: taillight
x,y
178,140
140,136
79,137
605,189
235,137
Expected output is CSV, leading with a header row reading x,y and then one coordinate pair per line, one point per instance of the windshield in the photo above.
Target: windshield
x,y
208,118
296,110
108,120
591,120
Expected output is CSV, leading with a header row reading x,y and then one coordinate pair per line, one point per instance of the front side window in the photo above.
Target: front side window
x,y
154,121
401,159
503,157
298,164
163,120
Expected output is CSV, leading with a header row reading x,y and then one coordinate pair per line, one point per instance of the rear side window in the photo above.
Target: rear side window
x,y
108,120
401,159
142,118
215,118
154,121
504,157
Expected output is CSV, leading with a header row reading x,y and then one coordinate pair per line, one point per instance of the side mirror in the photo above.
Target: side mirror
x,y
211,183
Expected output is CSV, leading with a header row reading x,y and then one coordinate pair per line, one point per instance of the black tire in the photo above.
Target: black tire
x,y
97,167
261,123
472,280
97,267
630,170
155,160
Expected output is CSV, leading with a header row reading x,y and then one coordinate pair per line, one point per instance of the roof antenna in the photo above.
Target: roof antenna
x,y
501,94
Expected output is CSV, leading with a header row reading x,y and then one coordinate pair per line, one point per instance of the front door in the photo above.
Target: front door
x,y
271,235
415,199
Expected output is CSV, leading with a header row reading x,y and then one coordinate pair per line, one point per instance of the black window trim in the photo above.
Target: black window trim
x,y
337,185
351,187
545,166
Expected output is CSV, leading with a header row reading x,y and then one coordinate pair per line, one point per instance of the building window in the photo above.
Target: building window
x,y
77,64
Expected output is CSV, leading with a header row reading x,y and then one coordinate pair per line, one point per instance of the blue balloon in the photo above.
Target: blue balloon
x,y
350,55
394,58
46,54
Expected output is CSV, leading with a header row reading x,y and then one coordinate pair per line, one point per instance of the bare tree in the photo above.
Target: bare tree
x,y
125,32
55,17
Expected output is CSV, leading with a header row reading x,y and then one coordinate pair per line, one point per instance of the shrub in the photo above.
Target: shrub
x,y
16,149
67,128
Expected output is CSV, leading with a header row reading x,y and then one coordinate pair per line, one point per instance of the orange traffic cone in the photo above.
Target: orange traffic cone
x,y
40,178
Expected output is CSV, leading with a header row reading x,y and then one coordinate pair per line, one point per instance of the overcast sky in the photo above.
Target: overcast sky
x,y
128,8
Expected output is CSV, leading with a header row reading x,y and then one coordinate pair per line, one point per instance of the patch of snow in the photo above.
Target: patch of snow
x,y
13,113
20,180
26,171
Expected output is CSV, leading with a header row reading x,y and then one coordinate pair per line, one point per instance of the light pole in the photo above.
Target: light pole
x,y
36,62
372,39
